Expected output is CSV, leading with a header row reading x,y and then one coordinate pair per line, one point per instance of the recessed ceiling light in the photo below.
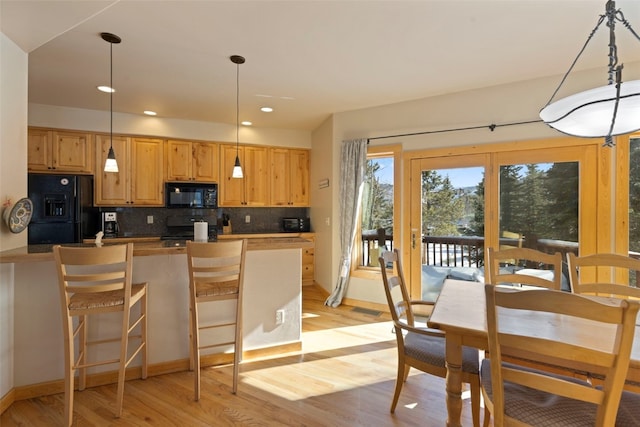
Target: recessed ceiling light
x,y
266,109
106,89
150,113
246,123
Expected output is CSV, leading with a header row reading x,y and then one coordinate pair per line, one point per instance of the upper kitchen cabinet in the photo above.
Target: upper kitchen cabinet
x,y
253,188
289,177
60,151
140,179
191,161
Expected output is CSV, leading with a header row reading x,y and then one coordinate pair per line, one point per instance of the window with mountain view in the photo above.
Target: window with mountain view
x,y
377,209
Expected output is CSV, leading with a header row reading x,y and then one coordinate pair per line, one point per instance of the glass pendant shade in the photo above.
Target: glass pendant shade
x,y
605,111
237,169
589,114
111,165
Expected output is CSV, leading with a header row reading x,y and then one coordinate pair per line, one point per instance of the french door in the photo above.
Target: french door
x,y
546,199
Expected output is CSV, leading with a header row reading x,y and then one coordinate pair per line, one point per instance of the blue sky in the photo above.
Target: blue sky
x,y
463,177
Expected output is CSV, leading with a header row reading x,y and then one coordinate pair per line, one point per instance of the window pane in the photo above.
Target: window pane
x,y
452,226
539,206
377,210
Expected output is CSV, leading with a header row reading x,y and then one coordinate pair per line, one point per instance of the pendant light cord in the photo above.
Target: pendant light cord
x,y
237,107
111,93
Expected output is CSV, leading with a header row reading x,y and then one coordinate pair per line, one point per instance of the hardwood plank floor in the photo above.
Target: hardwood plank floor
x,y
344,376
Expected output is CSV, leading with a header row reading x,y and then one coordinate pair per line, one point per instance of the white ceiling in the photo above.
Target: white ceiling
x,y
306,59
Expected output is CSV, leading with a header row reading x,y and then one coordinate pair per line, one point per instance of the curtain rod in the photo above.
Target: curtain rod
x,y
491,127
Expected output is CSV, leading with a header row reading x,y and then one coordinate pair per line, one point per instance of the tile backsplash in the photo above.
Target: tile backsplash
x,y
133,222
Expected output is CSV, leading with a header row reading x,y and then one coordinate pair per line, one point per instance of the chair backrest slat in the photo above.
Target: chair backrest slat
x,y
495,274
604,274
393,279
94,269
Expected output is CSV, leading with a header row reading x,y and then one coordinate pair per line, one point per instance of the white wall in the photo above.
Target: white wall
x,y
13,185
137,124
517,102
322,157
13,133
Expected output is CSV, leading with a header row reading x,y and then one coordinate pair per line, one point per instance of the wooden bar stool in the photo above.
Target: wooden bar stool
x,y
216,273
97,280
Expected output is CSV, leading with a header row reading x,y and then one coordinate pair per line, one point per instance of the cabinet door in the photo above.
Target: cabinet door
x,y
256,176
280,177
205,162
299,177
231,189
39,150
147,173
179,157
112,188
72,152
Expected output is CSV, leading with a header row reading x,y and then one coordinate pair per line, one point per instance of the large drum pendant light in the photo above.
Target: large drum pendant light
x,y
111,165
237,168
605,111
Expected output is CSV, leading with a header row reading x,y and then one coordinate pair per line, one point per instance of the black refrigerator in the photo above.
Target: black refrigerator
x,y
63,209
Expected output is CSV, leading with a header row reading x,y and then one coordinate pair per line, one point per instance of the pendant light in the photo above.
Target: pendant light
x,y
605,111
111,165
237,168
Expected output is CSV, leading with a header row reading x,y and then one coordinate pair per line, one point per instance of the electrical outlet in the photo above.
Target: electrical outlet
x,y
279,317
327,221
247,219
149,219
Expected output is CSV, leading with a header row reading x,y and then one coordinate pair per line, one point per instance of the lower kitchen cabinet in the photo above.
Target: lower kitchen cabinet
x,y
308,261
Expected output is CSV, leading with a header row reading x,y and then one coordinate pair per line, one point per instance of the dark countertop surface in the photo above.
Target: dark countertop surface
x,y
146,246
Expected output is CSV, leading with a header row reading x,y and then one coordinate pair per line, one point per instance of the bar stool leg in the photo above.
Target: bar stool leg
x,y
143,334
195,350
82,348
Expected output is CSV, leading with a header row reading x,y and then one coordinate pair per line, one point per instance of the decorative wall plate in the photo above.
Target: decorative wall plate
x,y
17,217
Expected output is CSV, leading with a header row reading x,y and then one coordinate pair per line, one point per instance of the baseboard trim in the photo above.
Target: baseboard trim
x,y
366,304
111,377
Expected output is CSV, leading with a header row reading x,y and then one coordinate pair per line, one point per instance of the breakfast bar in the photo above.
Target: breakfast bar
x,y
272,282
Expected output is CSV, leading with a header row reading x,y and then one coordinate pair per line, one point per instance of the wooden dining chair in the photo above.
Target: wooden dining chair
x,y
546,271
97,280
216,273
604,274
548,325
421,347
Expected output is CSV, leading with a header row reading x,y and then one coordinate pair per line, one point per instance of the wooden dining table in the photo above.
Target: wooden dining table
x,y
460,311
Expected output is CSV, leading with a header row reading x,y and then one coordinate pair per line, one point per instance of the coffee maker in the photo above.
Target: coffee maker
x,y
110,224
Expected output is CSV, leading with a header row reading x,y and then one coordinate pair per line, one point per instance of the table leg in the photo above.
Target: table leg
x,y
453,357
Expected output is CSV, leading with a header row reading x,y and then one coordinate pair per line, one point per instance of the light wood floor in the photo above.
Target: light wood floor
x,y
344,376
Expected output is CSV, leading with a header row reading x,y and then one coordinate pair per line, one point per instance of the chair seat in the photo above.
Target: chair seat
x,y
432,351
216,289
538,408
81,301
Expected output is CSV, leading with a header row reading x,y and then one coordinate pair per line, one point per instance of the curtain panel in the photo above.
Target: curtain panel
x,y
352,170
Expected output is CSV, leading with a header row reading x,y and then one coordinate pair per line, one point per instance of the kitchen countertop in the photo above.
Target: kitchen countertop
x,y
146,246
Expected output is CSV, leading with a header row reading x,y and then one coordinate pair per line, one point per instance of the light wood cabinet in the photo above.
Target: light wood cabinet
x,y
60,151
289,177
140,179
253,188
308,261
191,161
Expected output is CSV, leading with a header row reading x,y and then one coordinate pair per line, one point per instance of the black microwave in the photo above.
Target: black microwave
x,y
296,225
191,195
